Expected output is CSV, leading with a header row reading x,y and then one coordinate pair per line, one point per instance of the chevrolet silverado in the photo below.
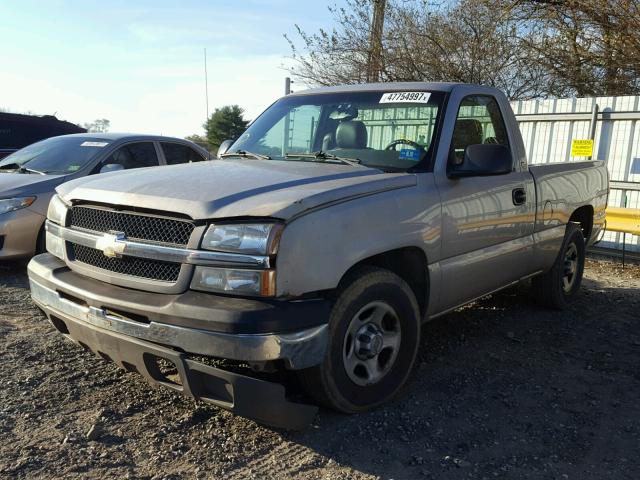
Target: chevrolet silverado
x,y
317,245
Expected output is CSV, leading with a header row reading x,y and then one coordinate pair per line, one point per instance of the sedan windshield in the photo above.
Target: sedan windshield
x,y
392,131
57,155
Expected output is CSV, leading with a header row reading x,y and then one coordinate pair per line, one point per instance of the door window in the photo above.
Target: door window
x,y
479,121
134,155
175,153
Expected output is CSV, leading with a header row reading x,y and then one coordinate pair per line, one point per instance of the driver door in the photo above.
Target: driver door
x,y
486,222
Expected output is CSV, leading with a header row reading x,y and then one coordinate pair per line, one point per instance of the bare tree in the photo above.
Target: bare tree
x,y
101,125
588,47
336,56
528,48
474,41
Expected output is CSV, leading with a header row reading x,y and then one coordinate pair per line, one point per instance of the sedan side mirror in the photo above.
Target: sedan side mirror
x,y
111,167
482,160
224,146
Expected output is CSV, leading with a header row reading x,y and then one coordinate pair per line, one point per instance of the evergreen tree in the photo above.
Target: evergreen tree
x,y
226,123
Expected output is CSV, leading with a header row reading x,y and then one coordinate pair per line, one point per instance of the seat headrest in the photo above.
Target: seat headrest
x,y
467,132
123,157
351,134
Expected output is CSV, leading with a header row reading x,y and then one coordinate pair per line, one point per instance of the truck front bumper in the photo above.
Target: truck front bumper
x,y
98,317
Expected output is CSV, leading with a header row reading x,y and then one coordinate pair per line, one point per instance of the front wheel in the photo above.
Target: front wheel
x,y
559,286
374,333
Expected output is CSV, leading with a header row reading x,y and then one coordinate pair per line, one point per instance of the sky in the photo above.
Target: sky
x,y
140,64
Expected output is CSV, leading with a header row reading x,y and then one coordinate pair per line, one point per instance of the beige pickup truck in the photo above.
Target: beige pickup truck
x,y
319,243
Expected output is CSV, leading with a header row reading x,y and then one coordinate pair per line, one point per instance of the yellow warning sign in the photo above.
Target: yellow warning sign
x,y
581,148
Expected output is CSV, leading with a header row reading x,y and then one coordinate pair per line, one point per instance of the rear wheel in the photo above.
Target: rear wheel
x,y
374,333
558,287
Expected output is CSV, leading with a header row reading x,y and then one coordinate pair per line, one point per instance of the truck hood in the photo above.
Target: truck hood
x,y
21,184
234,188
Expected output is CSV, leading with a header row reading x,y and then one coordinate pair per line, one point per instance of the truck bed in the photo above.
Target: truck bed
x,y
562,188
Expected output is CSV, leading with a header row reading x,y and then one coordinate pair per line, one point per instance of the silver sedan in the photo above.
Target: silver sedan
x,y
29,177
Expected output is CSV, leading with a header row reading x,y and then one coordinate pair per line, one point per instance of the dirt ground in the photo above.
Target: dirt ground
x,y
501,389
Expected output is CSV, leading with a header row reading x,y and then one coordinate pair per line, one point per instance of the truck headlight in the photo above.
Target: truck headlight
x,y
10,204
57,212
246,238
235,281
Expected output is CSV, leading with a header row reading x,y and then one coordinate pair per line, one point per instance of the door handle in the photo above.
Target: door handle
x,y
519,196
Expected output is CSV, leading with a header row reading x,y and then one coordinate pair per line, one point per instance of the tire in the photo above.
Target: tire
x,y
558,287
374,334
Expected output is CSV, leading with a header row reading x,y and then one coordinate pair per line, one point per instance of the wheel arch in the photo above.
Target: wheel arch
x,y
583,216
409,263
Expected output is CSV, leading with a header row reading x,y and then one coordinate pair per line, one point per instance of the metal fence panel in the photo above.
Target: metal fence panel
x,y
548,127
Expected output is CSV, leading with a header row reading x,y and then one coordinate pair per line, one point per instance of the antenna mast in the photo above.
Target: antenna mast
x,y
206,84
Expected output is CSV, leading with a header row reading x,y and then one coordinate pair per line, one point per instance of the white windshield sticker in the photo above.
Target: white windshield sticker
x,y
405,97
94,144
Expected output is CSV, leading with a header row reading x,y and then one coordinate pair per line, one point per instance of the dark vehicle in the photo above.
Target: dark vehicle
x,y
17,131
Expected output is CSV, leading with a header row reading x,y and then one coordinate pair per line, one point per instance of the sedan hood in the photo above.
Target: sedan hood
x,y
21,184
235,188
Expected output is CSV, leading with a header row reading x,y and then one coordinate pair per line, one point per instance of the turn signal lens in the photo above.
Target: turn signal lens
x,y
235,281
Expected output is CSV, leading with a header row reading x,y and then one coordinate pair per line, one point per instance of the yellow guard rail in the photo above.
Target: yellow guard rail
x,y
624,220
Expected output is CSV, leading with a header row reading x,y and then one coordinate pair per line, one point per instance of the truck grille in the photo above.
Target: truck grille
x,y
132,266
135,226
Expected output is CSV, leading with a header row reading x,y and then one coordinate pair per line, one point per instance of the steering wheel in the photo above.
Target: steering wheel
x,y
392,145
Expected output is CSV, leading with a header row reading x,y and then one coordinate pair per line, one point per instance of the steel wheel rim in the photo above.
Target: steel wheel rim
x,y
371,343
570,267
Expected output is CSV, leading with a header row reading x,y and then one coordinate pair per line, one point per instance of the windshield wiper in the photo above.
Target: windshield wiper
x,y
323,156
30,170
245,154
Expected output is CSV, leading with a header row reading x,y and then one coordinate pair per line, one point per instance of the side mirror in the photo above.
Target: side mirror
x,y
482,160
111,167
224,146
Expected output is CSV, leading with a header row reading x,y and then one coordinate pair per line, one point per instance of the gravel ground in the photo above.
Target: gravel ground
x,y
501,389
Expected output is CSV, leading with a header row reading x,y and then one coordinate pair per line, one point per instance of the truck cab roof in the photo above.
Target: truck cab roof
x,y
445,87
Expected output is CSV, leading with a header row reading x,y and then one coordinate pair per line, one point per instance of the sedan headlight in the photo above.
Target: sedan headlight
x,y
57,212
234,281
11,204
246,238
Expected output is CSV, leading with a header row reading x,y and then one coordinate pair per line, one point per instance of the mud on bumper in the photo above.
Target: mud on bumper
x,y
246,396
115,339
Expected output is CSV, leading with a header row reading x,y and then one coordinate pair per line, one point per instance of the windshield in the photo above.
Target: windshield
x,y
388,130
57,155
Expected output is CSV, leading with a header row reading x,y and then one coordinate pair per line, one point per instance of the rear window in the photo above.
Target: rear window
x,y
134,155
176,153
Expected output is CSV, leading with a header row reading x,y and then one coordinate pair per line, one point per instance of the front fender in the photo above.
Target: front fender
x,y
317,249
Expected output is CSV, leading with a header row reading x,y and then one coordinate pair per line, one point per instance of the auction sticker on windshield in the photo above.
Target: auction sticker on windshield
x,y
94,144
405,97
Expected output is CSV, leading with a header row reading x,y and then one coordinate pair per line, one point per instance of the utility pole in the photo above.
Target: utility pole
x,y
287,85
374,60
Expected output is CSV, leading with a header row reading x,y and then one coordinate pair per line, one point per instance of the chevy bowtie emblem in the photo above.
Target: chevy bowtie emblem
x,y
112,244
